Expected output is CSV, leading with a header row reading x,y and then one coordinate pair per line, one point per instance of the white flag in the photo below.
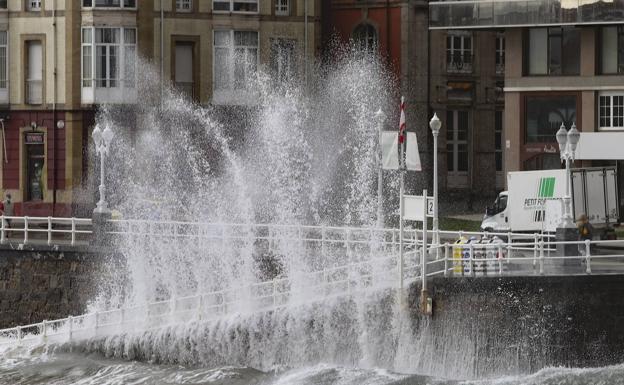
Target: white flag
x,y
389,153
412,159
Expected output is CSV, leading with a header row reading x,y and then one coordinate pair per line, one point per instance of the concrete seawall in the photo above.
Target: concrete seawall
x,y
522,324
46,284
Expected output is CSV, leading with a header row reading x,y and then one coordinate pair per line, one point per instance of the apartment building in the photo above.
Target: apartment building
x,y
563,65
62,59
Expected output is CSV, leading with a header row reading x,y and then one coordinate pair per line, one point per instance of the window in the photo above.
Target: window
x,y
3,4
3,60
500,53
109,3
365,37
544,115
457,130
235,59
612,50
283,59
115,57
459,52
282,8
34,80
611,111
33,5
498,140
242,6
184,81
554,51
184,5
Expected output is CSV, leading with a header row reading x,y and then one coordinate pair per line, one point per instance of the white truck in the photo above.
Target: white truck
x,y
534,200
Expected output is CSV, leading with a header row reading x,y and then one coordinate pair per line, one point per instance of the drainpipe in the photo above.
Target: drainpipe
x,y
6,159
53,127
162,52
305,42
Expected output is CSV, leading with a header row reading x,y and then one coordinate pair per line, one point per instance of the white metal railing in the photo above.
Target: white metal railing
x,y
44,230
373,261
263,296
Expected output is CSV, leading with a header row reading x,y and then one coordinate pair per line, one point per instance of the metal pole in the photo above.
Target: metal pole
x,y
401,192
380,220
567,199
401,209
436,235
423,255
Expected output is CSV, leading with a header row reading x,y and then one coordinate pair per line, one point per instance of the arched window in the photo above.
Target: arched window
x,y
365,37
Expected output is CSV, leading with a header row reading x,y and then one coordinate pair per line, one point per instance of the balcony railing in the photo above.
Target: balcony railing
x,y
34,91
186,88
463,14
459,62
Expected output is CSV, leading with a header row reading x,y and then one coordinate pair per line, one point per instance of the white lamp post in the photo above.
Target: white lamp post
x,y
381,118
102,140
435,125
567,147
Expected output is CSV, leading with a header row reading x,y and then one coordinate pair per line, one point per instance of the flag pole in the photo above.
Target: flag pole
x,y
401,193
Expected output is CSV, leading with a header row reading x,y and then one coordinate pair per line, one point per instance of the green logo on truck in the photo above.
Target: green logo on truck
x,y
546,187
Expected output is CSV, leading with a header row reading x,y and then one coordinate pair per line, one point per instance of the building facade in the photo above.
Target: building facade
x,y
563,66
62,59
457,74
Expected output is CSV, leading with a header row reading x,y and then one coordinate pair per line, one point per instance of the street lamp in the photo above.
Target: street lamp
x,y
567,147
380,118
435,125
102,140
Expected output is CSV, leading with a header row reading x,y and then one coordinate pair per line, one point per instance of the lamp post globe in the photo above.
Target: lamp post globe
x,y
573,138
97,137
562,139
108,135
435,124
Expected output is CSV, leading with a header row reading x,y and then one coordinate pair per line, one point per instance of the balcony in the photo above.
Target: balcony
x,y
462,14
34,91
459,62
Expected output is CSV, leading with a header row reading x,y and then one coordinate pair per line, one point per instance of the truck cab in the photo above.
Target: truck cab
x,y
496,218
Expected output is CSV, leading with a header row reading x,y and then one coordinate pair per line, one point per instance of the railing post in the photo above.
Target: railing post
x,y
70,321
200,307
588,256
446,255
541,256
348,242
2,231
25,230
509,255
73,231
44,331
49,231
499,256
20,335
472,264
323,241
535,249
97,321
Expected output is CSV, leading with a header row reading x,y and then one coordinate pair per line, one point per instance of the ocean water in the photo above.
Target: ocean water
x,y
62,368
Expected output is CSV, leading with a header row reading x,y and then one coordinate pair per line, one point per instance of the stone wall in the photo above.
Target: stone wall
x,y
46,284
522,324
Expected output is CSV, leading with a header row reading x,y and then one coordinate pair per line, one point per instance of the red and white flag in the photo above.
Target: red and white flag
x,y
402,122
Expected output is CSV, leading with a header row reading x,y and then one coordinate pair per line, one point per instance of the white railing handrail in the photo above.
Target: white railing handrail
x,y
23,225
